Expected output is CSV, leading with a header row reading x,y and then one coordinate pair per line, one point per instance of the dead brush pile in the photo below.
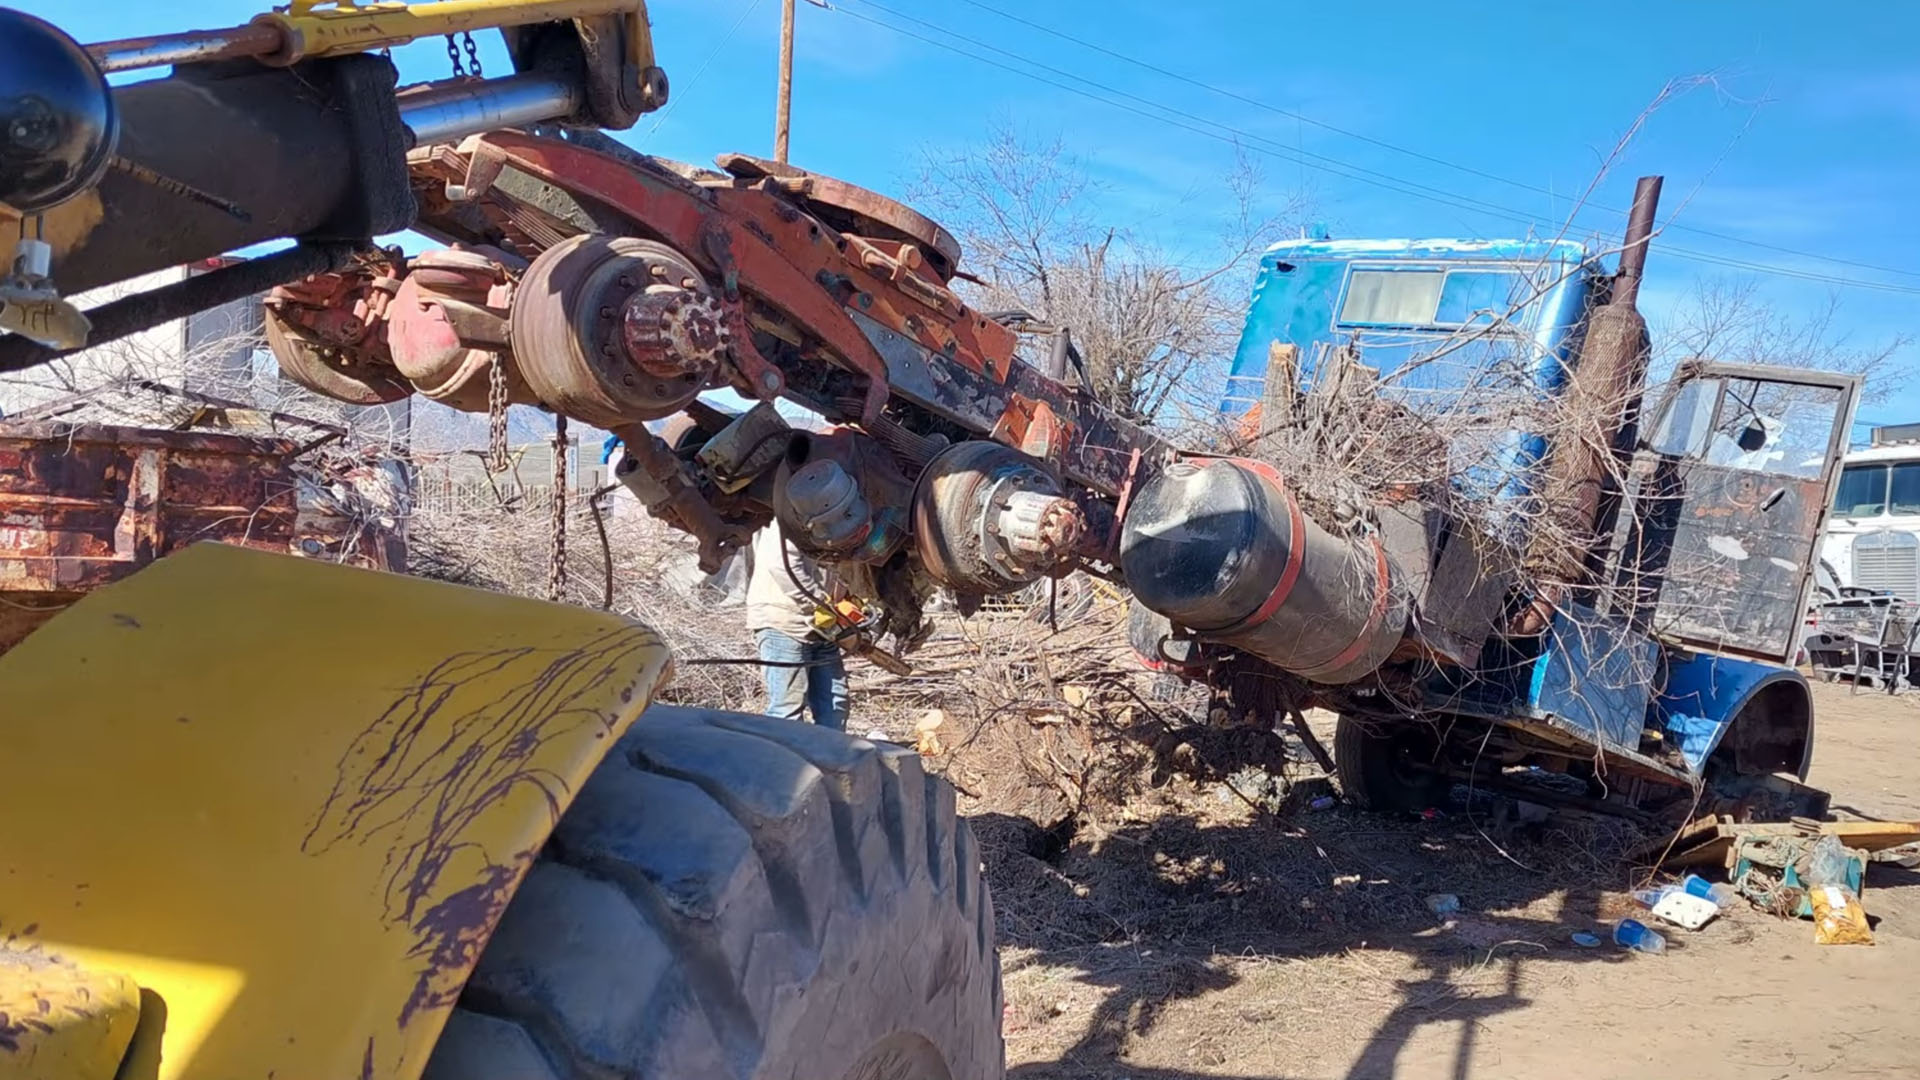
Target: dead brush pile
x,y
1099,823
645,571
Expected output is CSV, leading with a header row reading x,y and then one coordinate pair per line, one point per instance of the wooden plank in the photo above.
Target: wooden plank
x,y
1712,853
1863,835
1671,846
1707,841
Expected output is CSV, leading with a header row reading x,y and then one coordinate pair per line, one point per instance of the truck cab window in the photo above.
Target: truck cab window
x,y
1903,496
1478,298
1683,425
1862,491
1774,427
1392,297
1431,298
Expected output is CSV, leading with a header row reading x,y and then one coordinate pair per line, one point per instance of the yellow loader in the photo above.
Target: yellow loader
x,y
268,816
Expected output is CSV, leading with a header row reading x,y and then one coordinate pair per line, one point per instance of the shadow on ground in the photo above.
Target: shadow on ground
x,y
1153,916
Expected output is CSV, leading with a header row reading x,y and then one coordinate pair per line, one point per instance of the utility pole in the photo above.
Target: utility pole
x,y
783,105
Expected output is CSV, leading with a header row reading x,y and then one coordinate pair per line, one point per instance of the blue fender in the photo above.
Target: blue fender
x,y
1705,695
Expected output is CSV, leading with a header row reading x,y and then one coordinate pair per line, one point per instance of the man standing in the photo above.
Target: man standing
x,y
805,672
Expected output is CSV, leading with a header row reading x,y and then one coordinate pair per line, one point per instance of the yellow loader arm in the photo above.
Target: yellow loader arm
x,y
288,802
312,29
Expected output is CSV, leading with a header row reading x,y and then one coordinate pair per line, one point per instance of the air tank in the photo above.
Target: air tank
x,y
1220,546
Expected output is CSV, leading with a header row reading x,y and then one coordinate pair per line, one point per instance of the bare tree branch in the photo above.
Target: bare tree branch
x,y
1155,329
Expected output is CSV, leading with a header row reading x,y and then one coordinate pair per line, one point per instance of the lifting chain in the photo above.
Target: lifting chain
x,y
473,55
472,65
557,568
496,460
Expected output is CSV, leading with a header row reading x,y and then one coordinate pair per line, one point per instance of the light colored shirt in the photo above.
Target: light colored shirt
x,y
775,601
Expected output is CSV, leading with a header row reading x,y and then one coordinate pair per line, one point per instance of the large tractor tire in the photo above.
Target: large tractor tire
x,y
735,896
1379,767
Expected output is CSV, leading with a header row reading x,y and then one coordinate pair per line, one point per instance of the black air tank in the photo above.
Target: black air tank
x,y
1220,547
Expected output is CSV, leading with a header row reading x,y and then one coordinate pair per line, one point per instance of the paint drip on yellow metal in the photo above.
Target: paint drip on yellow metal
x,y
59,1019
290,799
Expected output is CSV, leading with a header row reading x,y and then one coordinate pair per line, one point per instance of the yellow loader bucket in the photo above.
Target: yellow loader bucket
x,y
262,813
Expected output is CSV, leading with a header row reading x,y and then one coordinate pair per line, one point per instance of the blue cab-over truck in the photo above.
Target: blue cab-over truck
x,y
1656,664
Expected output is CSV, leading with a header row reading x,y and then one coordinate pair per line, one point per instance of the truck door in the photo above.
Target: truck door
x,y
1725,503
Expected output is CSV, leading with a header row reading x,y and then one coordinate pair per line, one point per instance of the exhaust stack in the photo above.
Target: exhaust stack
x,y
1599,419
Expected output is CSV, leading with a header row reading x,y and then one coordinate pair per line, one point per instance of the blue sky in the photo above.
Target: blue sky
x,y
1807,138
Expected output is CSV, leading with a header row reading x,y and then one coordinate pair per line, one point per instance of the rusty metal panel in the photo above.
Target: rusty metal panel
x,y
82,506
1725,506
1728,550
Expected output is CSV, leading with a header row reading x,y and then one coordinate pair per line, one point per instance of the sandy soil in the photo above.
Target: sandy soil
x,y
1197,938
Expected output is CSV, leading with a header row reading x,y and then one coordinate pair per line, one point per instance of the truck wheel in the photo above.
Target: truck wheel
x,y
1378,770
737,896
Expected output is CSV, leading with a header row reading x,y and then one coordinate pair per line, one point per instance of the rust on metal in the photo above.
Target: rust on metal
x,y
705,224
650,281
1125,497
852,209
193,47
1032,427
1602,403
794,256
328,332
569,340
756,376
447,329
661,482
671,331
1042,530
82,506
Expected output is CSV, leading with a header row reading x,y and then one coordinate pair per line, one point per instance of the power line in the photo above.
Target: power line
x,y
1787,272
1238,138
1419,190
1274,149
1395,147
674,98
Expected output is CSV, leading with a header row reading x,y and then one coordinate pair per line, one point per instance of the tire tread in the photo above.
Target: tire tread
x,y
788,838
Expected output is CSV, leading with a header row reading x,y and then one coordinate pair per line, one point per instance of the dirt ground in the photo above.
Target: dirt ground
x,y
1190,935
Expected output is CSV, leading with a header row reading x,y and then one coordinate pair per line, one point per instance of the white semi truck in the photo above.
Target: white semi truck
x,y
1872,541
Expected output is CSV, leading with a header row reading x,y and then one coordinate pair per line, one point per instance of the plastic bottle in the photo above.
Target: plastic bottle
x,y
1633,934
1719,892
1722,894
1650,898
1827,862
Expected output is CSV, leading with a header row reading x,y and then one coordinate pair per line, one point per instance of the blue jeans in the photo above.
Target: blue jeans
x,y
819,688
